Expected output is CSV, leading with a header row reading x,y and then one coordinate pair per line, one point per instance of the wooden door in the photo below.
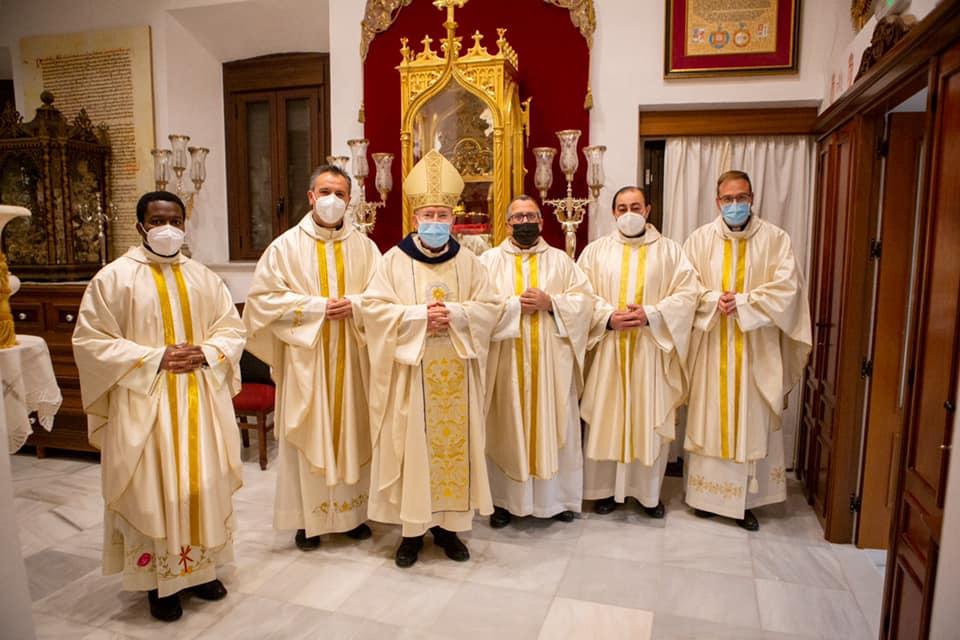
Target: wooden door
x,y
912,564
889,361
820,398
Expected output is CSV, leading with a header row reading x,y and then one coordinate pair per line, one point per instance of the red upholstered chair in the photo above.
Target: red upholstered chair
x,y
255,400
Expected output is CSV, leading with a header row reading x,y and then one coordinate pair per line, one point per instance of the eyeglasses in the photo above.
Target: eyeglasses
x,y
531,216
740,198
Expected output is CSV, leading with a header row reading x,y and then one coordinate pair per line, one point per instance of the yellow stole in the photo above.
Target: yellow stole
x,y
193,392
530,425
628,339
726,324
334,376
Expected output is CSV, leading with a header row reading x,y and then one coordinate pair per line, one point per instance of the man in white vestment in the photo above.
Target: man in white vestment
x,y
303,317
158,344
750,343
431,311
535,373
635,376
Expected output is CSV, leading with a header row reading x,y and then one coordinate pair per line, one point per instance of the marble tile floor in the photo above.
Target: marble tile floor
x,y
617,576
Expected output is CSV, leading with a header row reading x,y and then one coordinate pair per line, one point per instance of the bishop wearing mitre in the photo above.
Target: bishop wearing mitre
x,y
429,312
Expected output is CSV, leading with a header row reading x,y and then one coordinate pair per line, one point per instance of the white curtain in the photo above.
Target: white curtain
x,y
781,169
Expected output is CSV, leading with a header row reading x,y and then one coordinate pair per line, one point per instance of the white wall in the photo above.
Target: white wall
x,y
190,40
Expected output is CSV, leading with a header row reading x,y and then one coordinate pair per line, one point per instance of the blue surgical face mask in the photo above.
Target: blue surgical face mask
x,y
434,234
735,213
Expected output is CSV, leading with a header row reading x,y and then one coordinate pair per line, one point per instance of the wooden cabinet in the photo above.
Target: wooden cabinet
x,y
833,390
60,171
915,540
50,311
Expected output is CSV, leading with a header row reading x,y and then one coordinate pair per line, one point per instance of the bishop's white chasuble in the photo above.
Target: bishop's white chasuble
x,y
170,447
635,379
427,391
535,374
321,369
742,366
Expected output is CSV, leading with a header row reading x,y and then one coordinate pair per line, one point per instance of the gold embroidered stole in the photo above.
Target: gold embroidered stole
x,y
193,393
533,321
445,398
628,339
734,272
334,376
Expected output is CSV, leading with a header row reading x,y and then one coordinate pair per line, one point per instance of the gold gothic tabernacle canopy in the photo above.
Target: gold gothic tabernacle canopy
x,y
467,107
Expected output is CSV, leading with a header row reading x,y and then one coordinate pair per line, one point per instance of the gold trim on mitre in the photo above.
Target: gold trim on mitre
x,y
433,182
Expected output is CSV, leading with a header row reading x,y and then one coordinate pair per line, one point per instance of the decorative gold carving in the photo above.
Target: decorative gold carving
x,y
582,15
860,11
377,18
726,490
466,106
584,18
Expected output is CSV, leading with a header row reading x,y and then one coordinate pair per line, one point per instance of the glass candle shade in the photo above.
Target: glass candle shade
x,y
161,167
198,168
179,145
594,156
384,179
543,175
568,152
358,149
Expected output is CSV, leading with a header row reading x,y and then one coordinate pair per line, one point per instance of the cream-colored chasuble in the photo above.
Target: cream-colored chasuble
x,y
635,379
321,369
742,366
427,391
536,359
535,374
169,442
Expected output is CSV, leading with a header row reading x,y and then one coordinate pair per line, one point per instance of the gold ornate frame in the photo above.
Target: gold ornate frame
x,y
491,77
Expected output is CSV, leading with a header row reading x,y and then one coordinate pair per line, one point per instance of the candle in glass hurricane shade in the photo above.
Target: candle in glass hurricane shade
x,y
568,152
340,162
179,145
543,174
384,179
198,169
161,167
358,149
594,156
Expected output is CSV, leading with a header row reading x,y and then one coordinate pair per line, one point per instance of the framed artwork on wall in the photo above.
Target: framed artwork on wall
x,y
710,38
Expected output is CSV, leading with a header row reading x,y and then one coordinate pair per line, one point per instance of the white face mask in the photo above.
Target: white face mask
x,y
165,240
631,224
329,208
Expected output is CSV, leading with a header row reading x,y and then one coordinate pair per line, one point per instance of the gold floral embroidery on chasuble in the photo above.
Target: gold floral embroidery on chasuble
x,y
445,398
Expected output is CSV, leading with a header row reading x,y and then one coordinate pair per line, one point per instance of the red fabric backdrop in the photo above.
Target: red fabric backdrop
x,y
554,63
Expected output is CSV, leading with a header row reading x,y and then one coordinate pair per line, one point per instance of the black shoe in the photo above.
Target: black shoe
x,y
360,532
304,543
450,543
656,512
675,468
748,521
166,609
408,551
564,516
500,518
700,513
213,590
603,506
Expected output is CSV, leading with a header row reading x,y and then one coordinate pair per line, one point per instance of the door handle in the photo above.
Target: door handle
x,y
949,406
280,207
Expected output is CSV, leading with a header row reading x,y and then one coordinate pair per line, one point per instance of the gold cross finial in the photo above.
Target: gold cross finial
x,y
449,6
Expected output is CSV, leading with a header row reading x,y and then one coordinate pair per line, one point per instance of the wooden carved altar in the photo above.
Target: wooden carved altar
x,y
56,169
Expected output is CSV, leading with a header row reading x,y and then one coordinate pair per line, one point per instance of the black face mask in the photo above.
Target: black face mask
x,y
526,233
